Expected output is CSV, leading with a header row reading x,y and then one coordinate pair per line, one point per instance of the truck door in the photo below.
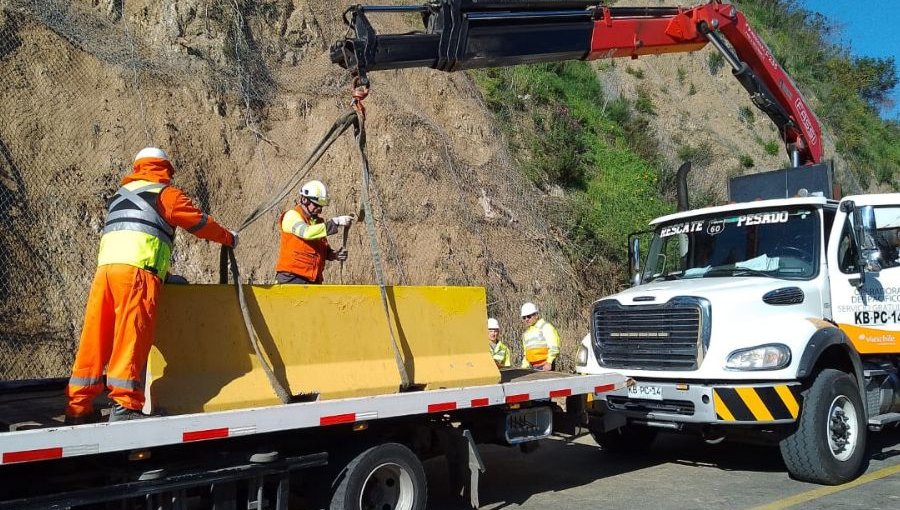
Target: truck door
x,y
864,269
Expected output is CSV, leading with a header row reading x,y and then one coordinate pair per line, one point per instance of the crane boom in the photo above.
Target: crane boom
x,y
468,34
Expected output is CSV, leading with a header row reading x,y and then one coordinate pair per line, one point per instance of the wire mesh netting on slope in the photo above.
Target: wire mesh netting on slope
x,y
238,92
78,88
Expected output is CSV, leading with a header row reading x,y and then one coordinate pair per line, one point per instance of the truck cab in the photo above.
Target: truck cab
x,y
774,320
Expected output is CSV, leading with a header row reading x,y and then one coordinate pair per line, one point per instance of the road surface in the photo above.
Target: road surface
x,y
679,473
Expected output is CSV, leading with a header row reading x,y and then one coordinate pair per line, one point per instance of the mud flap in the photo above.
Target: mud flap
x,y
464,463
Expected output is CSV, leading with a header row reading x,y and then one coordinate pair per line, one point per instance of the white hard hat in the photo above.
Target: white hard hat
x,y
493,323
151,152
316,193
528,309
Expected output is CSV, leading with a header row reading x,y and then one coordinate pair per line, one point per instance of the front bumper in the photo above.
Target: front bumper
x,y
708,403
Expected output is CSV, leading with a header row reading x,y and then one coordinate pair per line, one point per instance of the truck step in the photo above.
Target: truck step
x,y
876,423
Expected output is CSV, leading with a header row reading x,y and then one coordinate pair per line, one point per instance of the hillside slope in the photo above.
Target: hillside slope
x,y
238,92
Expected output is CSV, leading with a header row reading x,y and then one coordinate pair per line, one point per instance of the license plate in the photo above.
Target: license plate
x,y
645,392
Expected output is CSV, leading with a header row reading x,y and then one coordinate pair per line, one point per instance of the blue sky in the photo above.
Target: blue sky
x,y
870,28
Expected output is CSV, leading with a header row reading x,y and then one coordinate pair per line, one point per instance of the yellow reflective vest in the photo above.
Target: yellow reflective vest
x,y
540,344
135,233
500,353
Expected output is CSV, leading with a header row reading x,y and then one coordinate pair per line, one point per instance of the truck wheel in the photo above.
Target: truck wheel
x,y
625,439
387,476
829,444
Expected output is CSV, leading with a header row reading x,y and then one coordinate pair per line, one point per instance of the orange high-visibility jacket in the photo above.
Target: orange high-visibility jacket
x,y
174,206
304,245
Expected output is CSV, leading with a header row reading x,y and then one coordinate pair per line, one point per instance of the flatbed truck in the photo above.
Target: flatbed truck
x,y
363,452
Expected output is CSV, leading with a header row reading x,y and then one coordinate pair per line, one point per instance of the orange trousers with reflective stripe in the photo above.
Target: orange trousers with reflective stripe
x,y
117,335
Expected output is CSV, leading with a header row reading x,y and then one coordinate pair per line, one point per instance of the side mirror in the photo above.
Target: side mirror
x,y
863,232
873,262
850,208
869,252
634,260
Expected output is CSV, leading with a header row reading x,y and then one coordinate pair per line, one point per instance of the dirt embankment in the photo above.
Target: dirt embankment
x,y
238,93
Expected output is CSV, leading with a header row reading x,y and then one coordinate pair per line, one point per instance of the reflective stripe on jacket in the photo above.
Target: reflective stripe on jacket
x,y
540,343
304,246
500,353
135,233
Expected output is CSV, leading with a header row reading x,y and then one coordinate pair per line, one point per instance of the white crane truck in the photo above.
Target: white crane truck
x,y
774,320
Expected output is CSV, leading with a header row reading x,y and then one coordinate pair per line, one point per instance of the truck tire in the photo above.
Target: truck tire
x,y
829,445
387,476
627,439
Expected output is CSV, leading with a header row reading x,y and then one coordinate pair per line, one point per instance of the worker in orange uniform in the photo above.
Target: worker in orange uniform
x,y
540,341
135,251
304,237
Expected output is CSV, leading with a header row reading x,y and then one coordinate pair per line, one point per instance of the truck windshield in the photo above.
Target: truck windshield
x,y
778,243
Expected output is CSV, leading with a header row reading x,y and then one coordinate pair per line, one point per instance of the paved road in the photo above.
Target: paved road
x,y
679,473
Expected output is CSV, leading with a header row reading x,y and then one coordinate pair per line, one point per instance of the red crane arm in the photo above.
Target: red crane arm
x,y
465,34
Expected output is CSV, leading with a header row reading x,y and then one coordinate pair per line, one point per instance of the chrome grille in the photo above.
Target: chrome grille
x,y
669,336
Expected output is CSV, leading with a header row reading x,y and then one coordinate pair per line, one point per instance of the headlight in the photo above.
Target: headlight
x,y
764,357
582,356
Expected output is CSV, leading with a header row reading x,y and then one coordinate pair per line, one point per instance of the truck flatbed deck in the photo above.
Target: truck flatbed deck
x,y
49,439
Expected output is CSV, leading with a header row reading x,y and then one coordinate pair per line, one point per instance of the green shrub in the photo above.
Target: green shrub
x,y
772,147
644,103
746,115
617,110
608,158
692,90
715,61
699,155
681,74
637,73
746,161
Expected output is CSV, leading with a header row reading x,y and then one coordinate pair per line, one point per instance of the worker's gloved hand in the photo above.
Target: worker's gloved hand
x,y
343,221
340,255
234,237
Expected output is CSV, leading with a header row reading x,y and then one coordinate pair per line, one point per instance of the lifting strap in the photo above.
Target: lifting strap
x,y
226,255
356,118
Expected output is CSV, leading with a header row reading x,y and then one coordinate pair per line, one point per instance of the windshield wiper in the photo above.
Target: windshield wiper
x,y
737,271
667,277
746,271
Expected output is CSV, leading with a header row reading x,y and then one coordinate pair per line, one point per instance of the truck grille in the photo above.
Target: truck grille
x,y
670,336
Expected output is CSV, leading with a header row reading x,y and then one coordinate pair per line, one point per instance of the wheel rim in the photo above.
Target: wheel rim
x,y
388,487
842,428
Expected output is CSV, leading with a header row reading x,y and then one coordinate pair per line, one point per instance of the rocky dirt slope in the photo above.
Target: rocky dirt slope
x,y
238,92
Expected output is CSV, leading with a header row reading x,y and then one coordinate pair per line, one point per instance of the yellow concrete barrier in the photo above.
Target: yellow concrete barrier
x,y
328,339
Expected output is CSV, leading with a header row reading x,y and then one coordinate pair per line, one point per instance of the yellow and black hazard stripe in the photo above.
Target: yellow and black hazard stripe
x,y
757,403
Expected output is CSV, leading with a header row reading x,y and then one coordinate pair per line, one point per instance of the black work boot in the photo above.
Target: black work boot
x,y
92,417
120,413
77,420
